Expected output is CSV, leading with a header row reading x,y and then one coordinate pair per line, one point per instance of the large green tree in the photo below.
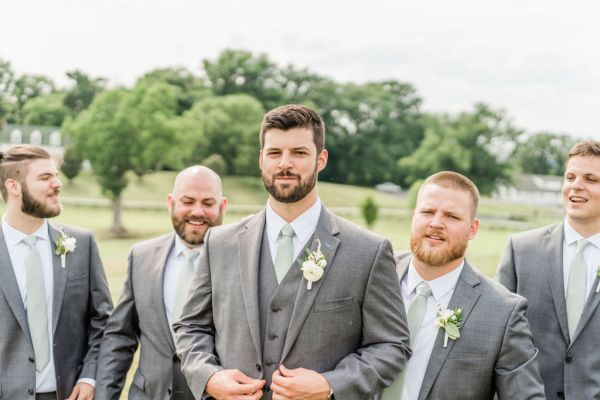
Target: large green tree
x,y
543,153
45,110
82,92
25,88
477,144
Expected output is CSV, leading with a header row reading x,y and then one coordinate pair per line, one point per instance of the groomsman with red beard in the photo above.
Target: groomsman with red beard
x,y
158,278
557,268
469,335
54,299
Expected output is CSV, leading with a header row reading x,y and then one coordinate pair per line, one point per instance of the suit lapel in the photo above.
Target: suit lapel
x,y
325,233
552,246
588,310
59,275
10,287
464,297
157,269
249,243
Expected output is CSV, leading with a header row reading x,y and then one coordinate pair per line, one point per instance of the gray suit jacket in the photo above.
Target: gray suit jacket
x,y
351,326
80,308
532,265
140,317
494,354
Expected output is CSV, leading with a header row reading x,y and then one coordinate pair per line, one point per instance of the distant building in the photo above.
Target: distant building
x,y
532,189
48,137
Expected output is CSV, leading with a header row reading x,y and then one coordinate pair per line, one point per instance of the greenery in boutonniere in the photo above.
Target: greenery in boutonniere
x,y
450,321
64,245
313,266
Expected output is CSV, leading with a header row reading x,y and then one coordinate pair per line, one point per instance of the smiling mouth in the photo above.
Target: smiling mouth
x,y
436,238
196,223
577,199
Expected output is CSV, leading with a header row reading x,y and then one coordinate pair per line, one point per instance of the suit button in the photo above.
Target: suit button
x,y
560,395
258,367
275,309
273,336
31,359
169,391
568,359
30,391
269,363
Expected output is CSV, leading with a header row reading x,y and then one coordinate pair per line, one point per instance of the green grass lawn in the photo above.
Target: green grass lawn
x,y
499,220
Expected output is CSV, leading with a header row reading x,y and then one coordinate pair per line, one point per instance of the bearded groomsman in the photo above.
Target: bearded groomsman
x,y
54,300
557,268
257,326
469,335
158,278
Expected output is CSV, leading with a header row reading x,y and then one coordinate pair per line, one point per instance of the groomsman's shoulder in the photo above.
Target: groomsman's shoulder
x,y
532,237
152,243
74,231
497,294
351,230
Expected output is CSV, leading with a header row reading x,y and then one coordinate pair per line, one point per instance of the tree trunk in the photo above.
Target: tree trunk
x,y
117,227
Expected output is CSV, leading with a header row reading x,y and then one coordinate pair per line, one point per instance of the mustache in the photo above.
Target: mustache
x,y
436,232
286,174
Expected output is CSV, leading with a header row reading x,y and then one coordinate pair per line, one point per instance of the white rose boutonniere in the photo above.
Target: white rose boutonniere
x,y
598,275
449,320
64,245
313,266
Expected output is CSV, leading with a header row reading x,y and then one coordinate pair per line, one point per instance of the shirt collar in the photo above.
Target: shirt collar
x,y
180,246
571,236
14,236
304,225
439,286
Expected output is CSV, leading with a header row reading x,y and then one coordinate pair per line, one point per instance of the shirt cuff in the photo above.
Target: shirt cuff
x,y
89,381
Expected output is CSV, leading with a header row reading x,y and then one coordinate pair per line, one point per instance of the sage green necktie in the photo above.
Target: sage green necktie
x,y
285,252
183,282
414,316
576,287
37,313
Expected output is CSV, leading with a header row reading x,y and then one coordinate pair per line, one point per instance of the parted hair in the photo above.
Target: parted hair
x,y
585,148
14,163
294,116
451,179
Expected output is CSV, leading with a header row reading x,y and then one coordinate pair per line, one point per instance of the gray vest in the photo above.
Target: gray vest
x,y
276,304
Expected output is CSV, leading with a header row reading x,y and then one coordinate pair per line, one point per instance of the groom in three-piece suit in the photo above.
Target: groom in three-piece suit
x,y
156,278
494,354
556,269
53,307
258,326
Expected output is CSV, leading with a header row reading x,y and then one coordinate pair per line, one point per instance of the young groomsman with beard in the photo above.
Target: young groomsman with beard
x,y
158,278
258,327
54,300
484,348
557,268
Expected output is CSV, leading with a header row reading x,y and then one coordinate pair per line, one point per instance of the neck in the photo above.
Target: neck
x,y
291,211
585,228
22,222
430,272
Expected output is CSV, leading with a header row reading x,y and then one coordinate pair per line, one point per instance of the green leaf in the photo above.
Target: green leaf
x,y
452,331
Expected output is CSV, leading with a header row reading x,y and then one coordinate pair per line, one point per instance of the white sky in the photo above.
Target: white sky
x,y
538,59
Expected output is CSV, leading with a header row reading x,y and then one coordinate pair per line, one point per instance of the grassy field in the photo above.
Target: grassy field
x,y
499,220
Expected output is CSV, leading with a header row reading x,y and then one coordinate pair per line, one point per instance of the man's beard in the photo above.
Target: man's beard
x,y
194,239
35,208
437,256
296,194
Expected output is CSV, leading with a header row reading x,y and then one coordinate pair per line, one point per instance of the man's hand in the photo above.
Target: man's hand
x,y
82,391
299,383
230,384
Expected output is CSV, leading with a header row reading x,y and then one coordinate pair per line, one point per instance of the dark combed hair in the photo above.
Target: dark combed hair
x,y
14,163
294,116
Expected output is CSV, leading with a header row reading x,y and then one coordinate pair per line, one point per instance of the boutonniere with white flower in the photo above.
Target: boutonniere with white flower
x,y
64,245
313,266
598,275
449,320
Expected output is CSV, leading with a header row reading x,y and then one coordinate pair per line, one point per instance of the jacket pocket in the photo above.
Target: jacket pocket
x,y
139,381
332,305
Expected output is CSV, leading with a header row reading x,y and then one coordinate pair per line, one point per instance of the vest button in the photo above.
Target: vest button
x,y
568,359
275,309
273,336
560,395
30,391
269,363
31,359
258,367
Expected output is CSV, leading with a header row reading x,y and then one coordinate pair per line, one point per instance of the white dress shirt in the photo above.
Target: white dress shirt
x,y
442,289
591,255
45,381
175,263
304,226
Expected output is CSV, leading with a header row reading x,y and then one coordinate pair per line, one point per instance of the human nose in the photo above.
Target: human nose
x,y
436,220
285,162
56,182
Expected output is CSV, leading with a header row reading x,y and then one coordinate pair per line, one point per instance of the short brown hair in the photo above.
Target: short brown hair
x,y
294,116
585,148
14,163
451,179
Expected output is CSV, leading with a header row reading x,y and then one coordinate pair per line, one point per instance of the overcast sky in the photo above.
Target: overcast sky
x,y
538,59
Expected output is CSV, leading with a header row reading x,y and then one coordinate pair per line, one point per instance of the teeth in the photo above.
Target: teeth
x,y
196,223
577,199
434,237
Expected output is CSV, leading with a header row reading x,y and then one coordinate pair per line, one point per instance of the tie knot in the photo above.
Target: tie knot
x,y
190,254
423,289
30,241
287,230
581,244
